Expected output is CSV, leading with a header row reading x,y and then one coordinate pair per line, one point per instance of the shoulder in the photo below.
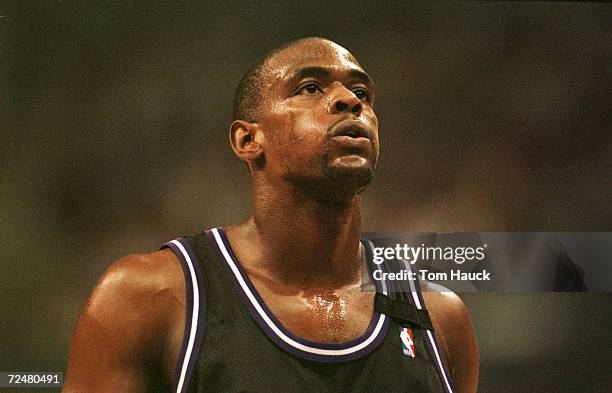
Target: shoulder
x,y
445,306
134,301
135,280
455,332
127,324
142,273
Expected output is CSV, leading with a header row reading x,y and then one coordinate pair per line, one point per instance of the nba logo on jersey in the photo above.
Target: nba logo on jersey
x,y
407,343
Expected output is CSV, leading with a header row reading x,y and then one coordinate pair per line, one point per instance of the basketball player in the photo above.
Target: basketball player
x,y
274,304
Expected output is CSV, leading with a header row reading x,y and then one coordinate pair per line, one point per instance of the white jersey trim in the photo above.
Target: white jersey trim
x,y
194,315
319,351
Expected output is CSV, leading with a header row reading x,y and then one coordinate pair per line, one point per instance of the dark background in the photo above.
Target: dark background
x,y
113,140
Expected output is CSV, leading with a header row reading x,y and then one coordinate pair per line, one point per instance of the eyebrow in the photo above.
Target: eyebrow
x,y
322,72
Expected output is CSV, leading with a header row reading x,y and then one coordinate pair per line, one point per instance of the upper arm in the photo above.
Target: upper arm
x,y
119,337
455,332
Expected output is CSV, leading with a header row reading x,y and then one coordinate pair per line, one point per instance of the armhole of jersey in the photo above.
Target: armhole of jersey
x,y
436,350
430,336
194,314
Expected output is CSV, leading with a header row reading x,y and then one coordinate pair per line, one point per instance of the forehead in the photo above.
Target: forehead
x,y
319,53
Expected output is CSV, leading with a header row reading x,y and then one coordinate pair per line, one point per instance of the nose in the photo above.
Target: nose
x,y
345,101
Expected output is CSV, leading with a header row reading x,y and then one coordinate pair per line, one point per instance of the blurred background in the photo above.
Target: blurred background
x,y
113,140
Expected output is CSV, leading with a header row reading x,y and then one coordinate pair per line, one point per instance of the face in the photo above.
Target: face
x,y
318,119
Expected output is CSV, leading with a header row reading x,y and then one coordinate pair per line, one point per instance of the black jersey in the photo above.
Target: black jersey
x,y
233,342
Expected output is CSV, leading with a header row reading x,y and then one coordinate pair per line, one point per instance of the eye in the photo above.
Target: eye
x,y
309,88
361,93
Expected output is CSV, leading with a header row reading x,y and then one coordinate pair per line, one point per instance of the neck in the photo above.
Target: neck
x,y
301,241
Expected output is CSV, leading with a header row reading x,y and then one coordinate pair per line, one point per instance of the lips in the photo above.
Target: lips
x,y
350,128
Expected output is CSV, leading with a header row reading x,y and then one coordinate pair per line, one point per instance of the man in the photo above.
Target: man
x,y
274,303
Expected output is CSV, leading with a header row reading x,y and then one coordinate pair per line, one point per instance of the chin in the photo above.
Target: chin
x,y
337,186
351,176
335,180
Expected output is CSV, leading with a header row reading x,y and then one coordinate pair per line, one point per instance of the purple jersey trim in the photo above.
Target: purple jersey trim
x,y
189,315
279,341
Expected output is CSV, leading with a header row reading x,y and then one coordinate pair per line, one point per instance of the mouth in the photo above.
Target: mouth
x,y
350,128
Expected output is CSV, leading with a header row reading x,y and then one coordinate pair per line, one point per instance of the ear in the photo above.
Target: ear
x,y
247,140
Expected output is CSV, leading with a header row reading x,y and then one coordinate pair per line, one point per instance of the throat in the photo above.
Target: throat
x,y
298,240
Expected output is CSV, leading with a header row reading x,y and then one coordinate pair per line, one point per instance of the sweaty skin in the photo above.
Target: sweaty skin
x,y
330,309
311,150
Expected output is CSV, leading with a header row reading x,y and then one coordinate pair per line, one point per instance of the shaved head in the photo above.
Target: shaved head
x,y
248,95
